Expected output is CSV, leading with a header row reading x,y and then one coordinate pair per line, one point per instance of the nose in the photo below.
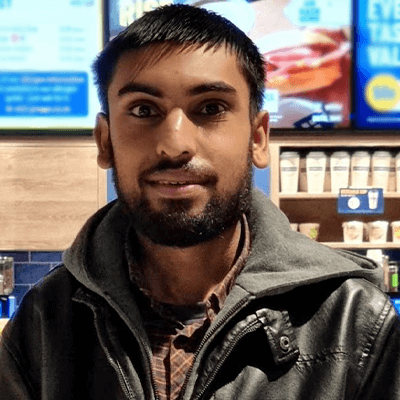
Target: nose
x,y
177,136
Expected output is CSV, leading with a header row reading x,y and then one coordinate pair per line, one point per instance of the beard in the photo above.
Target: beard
x,y
174,226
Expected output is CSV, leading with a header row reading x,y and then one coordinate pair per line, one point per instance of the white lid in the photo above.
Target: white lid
x,y
381,154
349,223
373,223
340,154
316,154
361,153
289,154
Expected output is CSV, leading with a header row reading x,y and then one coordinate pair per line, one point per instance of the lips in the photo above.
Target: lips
x,y
176,178
177,184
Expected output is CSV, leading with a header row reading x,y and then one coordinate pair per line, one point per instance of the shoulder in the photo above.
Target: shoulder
x,y
49,301
350,317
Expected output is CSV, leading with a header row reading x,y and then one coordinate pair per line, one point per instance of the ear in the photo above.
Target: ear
x,y
261,140
103,141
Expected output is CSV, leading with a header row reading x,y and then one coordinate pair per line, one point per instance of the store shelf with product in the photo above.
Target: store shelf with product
x,y
317,153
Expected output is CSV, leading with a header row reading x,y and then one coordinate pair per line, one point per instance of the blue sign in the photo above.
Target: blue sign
x,y
360,201
377,61
42,94
396,302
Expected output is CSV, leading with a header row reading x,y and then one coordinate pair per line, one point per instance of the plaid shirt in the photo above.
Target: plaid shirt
x,y
175,332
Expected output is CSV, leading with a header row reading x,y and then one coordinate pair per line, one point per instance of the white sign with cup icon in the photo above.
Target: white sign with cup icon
x,y
373,198
360,201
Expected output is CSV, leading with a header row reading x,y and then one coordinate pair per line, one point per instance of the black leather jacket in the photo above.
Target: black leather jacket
x,y
302,322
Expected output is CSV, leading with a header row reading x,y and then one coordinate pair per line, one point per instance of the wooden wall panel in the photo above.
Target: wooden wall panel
x,y
48,189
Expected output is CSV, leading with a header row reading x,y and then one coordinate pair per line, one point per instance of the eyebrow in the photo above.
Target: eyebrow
x,y
219,86
139,87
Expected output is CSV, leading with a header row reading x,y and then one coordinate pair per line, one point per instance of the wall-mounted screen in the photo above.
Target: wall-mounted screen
x,y
47,48
306,44
377,74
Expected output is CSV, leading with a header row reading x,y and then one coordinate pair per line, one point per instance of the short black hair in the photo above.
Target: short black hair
x,y
183,26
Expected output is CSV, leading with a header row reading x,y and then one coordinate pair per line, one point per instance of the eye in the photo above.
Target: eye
x,y
143,111
212,109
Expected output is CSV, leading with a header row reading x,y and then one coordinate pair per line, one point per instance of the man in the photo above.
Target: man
x,y
192,285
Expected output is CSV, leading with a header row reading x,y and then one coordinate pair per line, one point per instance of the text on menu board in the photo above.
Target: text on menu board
x,y
5,3
134,10
384,29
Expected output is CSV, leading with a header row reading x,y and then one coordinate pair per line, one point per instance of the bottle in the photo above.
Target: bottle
x,y
393,277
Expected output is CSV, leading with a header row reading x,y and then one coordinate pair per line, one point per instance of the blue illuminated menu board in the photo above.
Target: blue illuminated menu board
x,y
377,73
307,45
47,48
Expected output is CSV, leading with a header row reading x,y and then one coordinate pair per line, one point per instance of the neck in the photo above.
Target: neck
x,y
184,276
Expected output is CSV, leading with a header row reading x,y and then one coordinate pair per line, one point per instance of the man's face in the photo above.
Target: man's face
x,y
180,140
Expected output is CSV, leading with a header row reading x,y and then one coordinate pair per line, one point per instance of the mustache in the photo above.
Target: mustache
x,y
194,167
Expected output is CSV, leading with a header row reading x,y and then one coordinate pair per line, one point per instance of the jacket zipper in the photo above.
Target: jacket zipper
x,y
120,373
121,377
251,328
148,354
206,337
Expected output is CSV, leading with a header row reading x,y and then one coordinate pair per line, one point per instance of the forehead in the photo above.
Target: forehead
x,y
176,66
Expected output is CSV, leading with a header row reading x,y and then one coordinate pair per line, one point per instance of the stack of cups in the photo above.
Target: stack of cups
x,y
381,169
353,231
316,166
340,170
397,158
377,231
360,164
289,166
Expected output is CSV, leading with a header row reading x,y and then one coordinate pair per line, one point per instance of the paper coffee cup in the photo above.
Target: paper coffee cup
x,y
340,170
395,231
360,165
315,166
310,229
289,168
381,169
377,231
373,199
353,231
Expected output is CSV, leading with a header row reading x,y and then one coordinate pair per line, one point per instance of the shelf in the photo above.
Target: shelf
x,y
326,195
304,207
364,245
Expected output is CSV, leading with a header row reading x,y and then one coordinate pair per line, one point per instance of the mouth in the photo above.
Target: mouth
x,y
176,184
173,183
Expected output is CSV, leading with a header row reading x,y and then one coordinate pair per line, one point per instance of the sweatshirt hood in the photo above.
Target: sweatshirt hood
x,y
280,258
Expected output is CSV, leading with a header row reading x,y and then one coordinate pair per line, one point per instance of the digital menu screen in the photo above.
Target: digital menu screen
x,y
307,47
47,48
377,74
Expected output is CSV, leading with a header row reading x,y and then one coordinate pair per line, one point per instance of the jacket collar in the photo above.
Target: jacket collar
x,y
280,258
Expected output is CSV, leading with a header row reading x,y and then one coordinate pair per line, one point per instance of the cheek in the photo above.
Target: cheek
x,y
233,165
